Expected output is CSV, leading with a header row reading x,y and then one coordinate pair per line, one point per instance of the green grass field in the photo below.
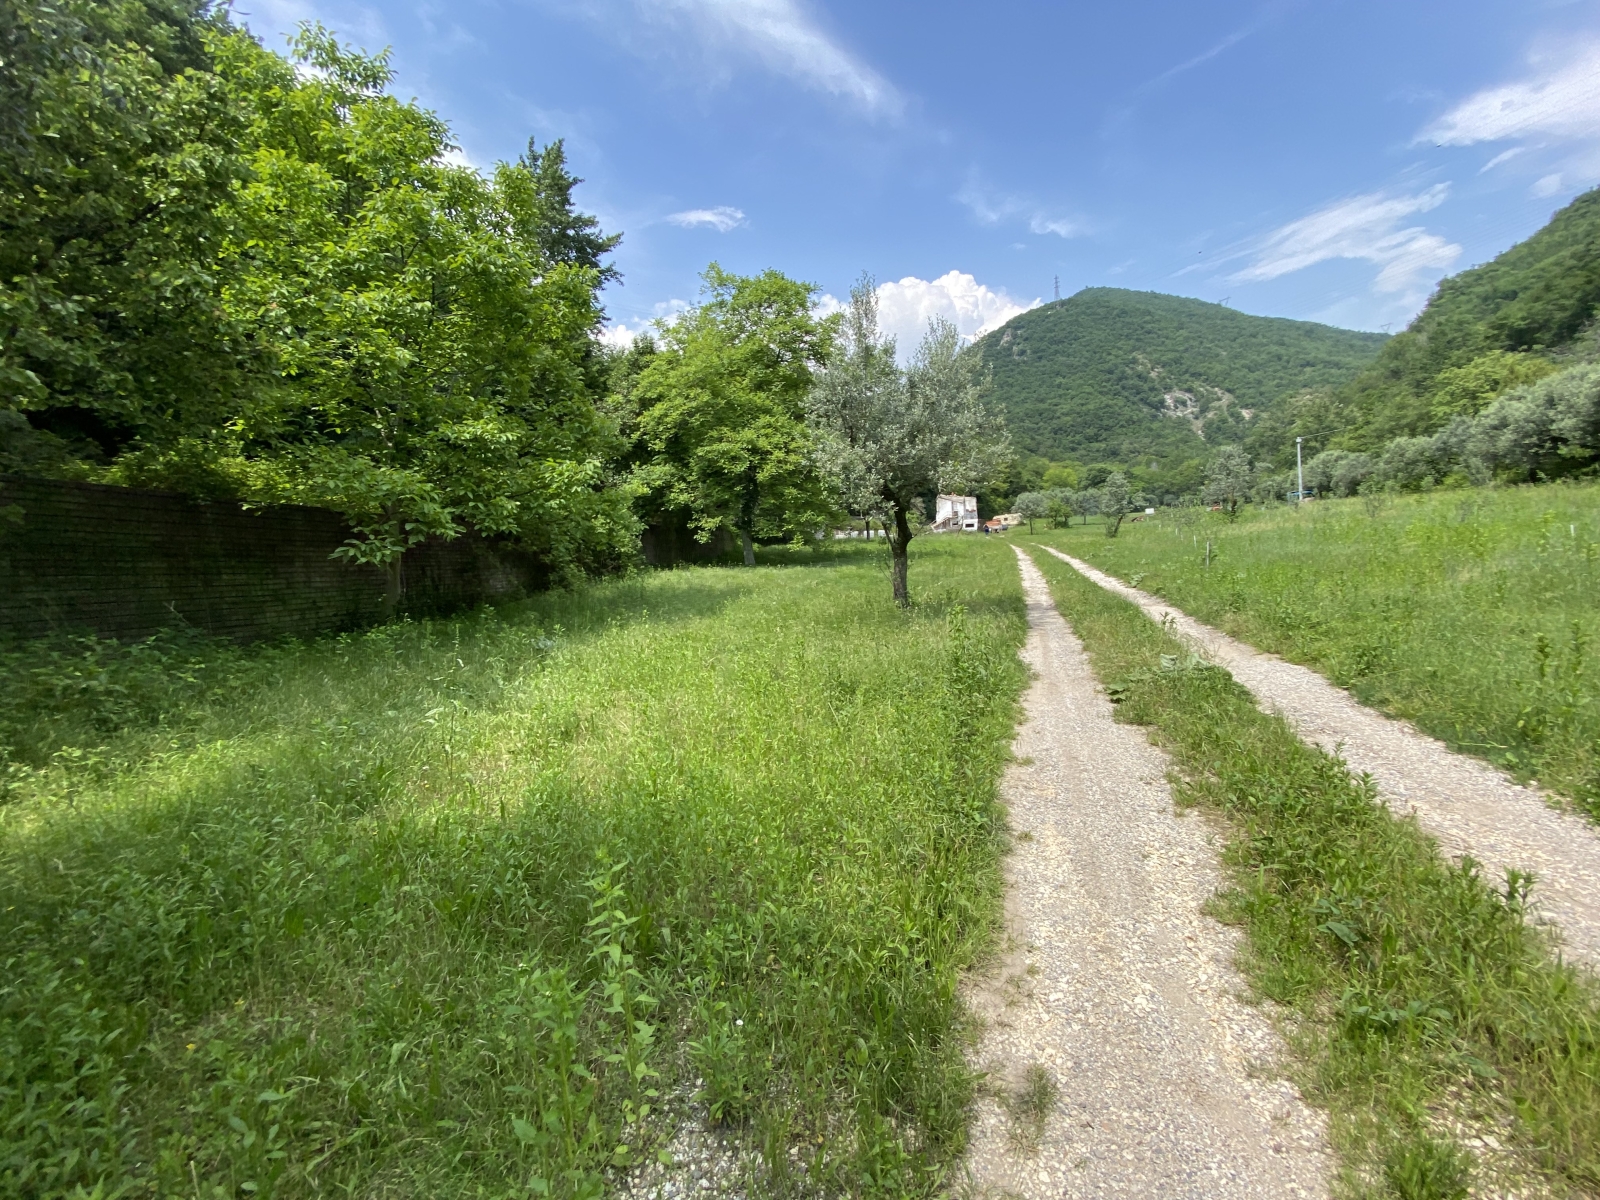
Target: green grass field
x,y
459,907
1419,1003
1471,613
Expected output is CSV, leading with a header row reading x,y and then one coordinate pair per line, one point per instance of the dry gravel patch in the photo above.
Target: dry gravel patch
x,y
1468,805
1121,1056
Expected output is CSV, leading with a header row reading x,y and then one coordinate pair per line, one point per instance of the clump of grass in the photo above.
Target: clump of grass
x,y
1469,612
1029,1104
1424,1169
1416,985
457,906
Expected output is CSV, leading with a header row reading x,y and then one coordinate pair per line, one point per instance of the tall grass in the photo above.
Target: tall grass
x,y
1471,613
456,907
1419,996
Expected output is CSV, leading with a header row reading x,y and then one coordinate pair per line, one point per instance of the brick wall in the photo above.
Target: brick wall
x,y
124,562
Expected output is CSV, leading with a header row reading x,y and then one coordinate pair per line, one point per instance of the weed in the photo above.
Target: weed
x,y
1029,1106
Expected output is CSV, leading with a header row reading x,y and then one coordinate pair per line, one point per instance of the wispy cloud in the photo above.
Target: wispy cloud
x,y
1205,56
1369,228
780,35
1502,157
722,218
992,209
1560,99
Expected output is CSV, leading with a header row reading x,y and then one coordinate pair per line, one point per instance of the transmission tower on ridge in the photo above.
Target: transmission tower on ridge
x,y
1058,287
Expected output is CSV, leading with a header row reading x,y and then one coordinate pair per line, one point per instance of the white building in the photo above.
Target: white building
x,y
954,514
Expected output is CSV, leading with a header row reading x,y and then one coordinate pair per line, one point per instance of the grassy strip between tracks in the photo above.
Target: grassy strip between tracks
x,y
454,908
1421,1004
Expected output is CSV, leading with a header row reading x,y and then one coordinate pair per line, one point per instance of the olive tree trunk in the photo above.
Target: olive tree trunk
x,y
899,542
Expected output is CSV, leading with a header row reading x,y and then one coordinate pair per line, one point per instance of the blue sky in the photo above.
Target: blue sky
x,y
1322,159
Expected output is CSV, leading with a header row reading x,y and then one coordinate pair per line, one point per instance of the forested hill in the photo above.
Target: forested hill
x,y
1119,376
1535,301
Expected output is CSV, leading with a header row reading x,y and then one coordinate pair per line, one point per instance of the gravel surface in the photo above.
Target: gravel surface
x,y
1467,804
703,1162
1120,1056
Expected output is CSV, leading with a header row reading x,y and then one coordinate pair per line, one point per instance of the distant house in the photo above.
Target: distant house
x,y
955,514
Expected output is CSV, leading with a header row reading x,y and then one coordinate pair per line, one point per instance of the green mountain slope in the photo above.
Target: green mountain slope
x,y
1536,297
1139,377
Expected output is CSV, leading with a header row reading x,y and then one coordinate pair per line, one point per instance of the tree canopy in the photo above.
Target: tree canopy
x,y
231,273
720,410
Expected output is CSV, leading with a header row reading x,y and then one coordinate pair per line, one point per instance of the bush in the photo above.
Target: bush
x,y
1549,427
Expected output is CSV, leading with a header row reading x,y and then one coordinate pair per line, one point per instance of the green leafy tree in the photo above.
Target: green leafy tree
x,y
721,410
228,273
1062,475
889,437
434,359
1466,391
119,145
1059,505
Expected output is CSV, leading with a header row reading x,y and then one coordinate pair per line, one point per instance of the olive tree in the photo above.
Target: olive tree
x,y
1116,501
1228,480
887,436
1032,506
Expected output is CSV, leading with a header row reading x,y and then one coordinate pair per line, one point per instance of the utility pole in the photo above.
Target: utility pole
x,y
1300,474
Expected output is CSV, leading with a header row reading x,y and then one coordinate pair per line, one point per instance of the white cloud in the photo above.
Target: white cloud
x,y
1503,156
722,218
620,335
1060,226
1548,186
455,156
826,305
1561,99
904,308
1362,227
992,210
781,35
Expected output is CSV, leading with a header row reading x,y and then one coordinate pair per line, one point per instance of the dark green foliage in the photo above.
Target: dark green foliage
x,y
1088,378
70,695
1536,297
1418,983
224,273
552,221
118,147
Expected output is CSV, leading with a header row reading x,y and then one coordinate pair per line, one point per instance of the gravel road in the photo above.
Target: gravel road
x,y
1468,805
1117,999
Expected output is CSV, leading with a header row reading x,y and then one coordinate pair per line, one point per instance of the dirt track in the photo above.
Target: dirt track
x,y
1116,984
1468,805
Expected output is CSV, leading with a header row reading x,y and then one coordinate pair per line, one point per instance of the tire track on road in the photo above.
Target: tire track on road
x,y
1115,984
